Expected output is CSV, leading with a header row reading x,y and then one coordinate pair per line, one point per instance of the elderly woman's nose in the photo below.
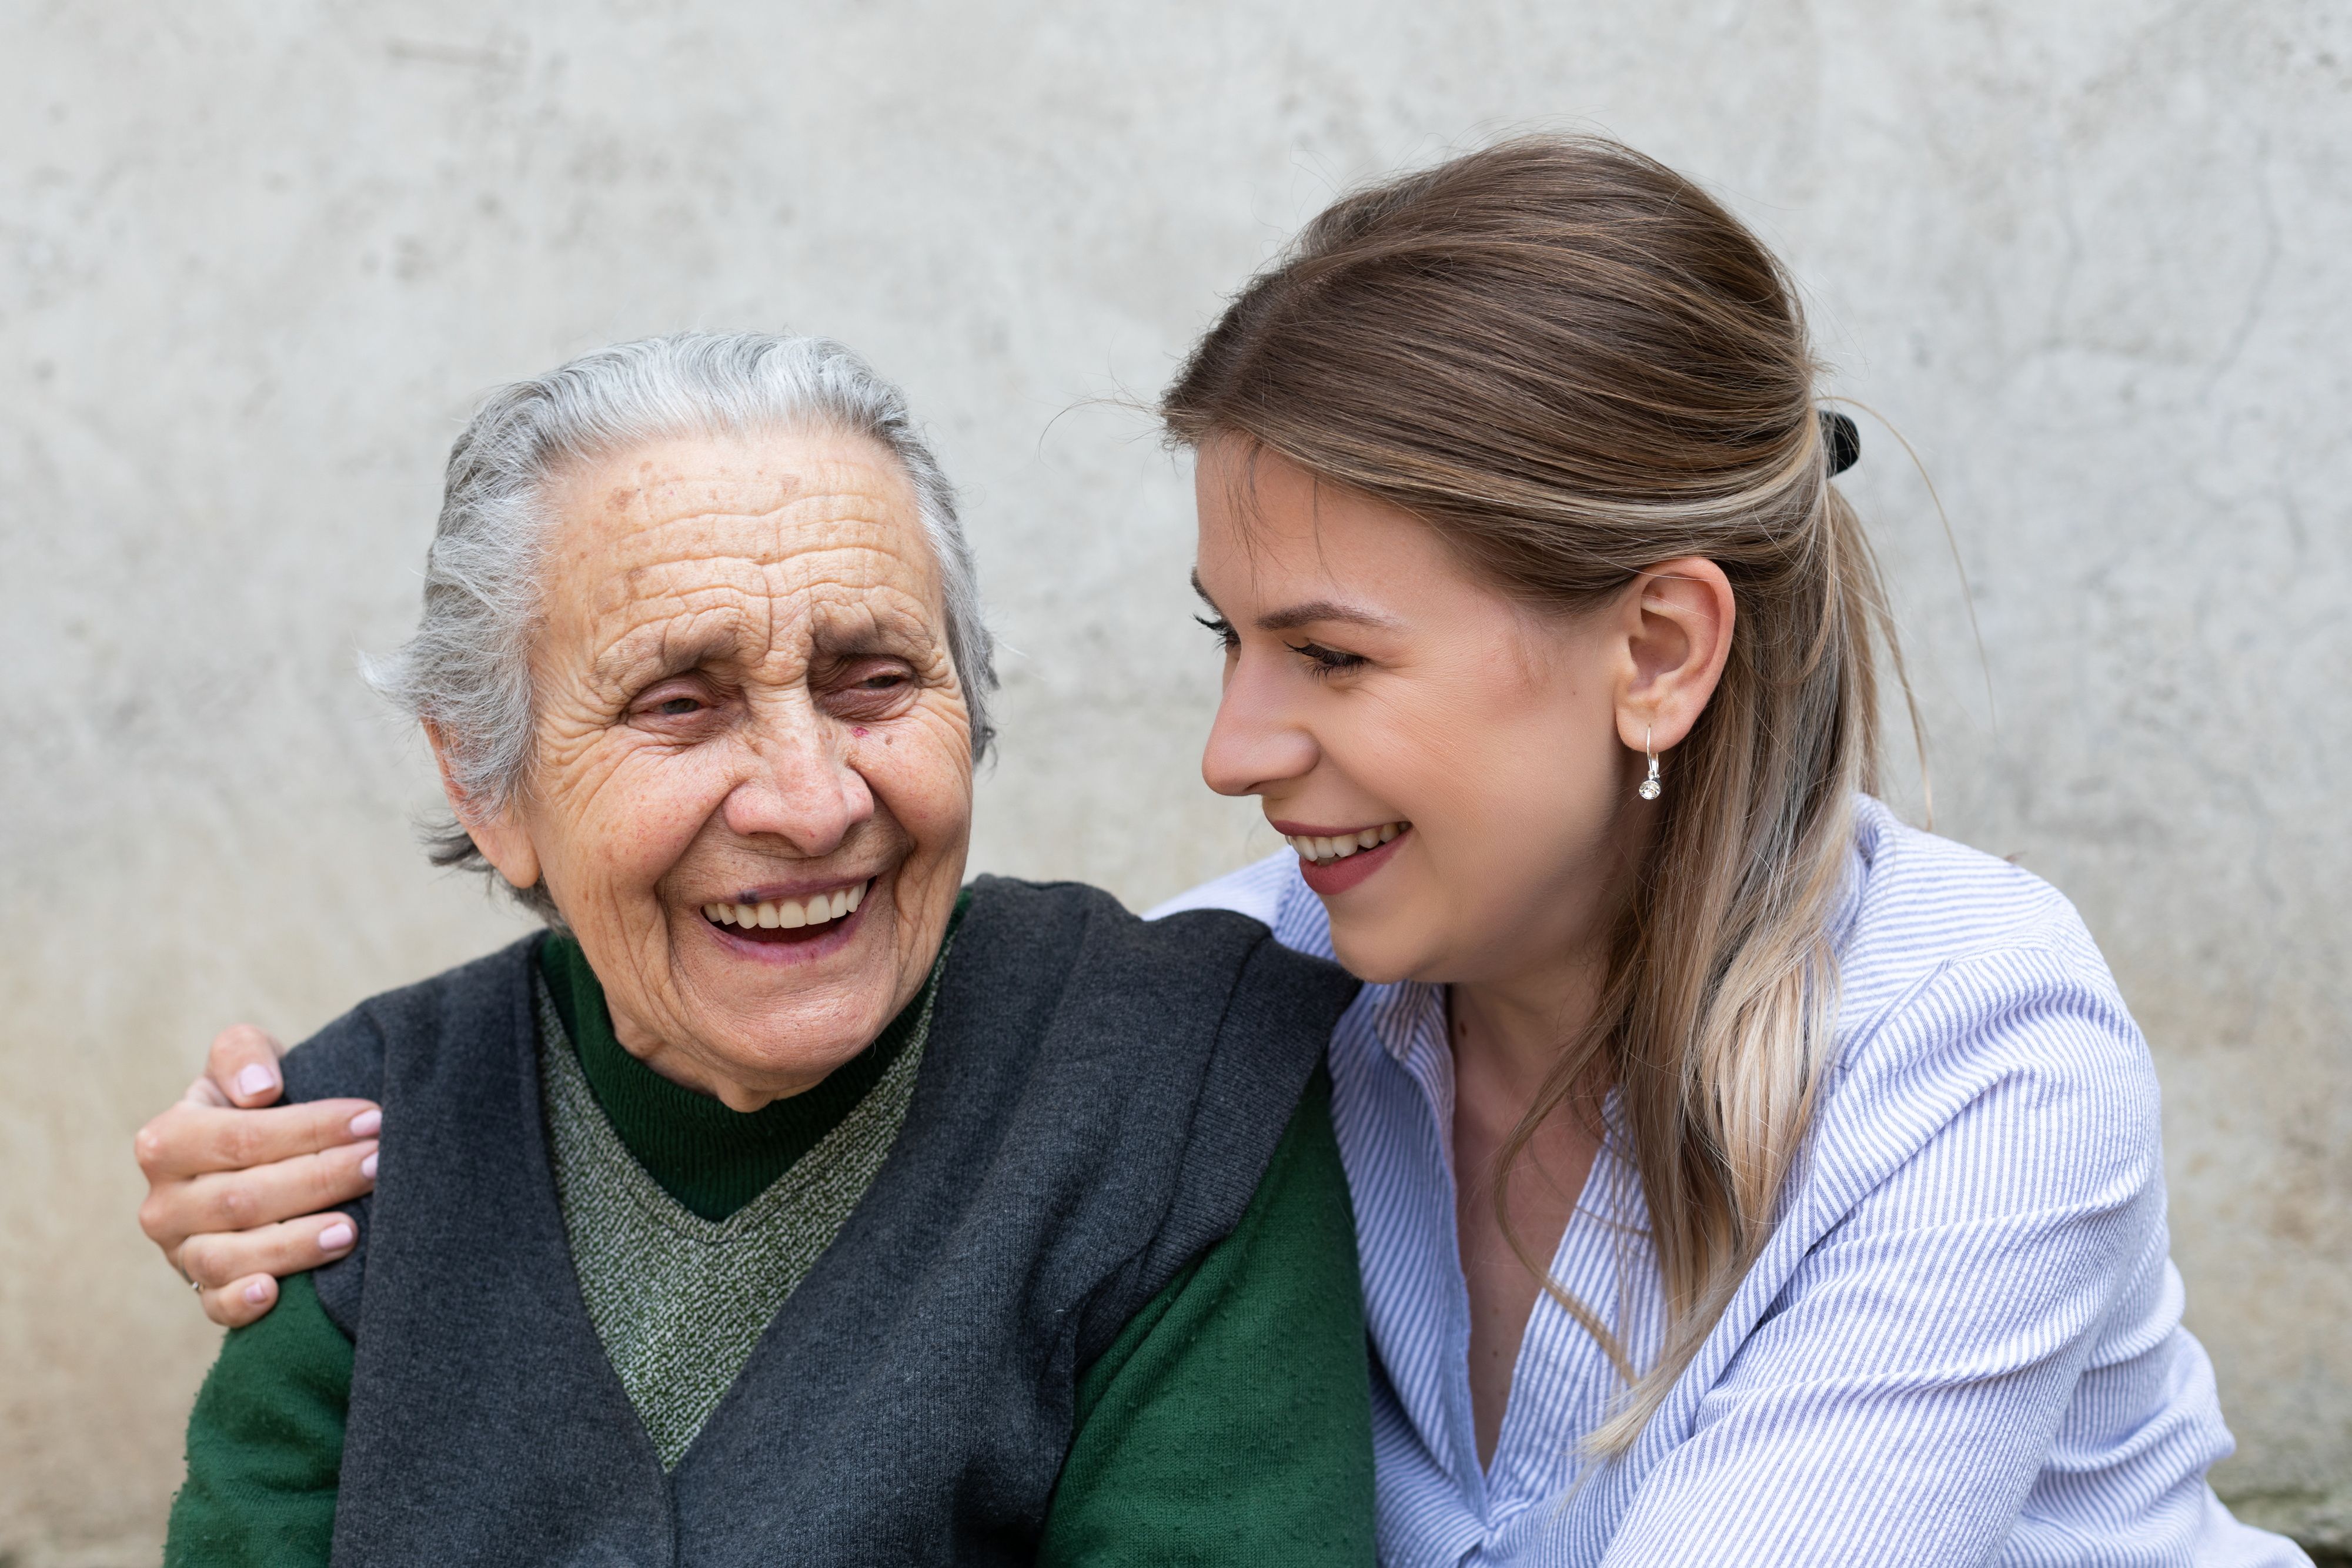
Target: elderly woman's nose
x,y
801,788
1255,741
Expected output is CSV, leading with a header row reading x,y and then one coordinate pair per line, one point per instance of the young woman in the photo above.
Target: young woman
x,y
1740,1176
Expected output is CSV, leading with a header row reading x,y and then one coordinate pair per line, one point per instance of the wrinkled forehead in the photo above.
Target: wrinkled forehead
x,y
754,545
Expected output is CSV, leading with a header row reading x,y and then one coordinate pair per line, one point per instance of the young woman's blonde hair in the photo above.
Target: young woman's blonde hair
x,y
1574,364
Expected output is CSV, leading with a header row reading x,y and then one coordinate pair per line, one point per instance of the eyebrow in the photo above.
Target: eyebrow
x,y
638,656
881,634
871,633
1312,611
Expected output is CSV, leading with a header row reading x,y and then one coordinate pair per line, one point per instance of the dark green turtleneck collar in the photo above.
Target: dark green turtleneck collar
x,y
711,1159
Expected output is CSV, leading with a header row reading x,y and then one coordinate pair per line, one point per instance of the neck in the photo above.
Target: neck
x,y
688,1071
1511,1031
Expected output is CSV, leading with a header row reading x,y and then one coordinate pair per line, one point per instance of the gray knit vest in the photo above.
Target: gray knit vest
x,y
1097,1104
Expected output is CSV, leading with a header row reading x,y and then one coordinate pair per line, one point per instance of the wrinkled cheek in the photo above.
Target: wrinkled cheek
x,y
644,826
923,780
933,808
938,816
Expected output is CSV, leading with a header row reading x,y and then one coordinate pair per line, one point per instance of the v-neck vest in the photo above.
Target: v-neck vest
x,y
1095,1105
679,1301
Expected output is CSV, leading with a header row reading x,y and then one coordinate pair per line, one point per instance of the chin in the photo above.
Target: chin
x,y
755,1057
801,1068
830,1022
1378,955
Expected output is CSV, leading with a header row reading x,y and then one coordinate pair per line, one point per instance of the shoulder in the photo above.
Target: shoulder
x,y
1969,988
1922,900
1185,1044
1934,930
383,1050
1255,890
347,1058
1195,954
1269,891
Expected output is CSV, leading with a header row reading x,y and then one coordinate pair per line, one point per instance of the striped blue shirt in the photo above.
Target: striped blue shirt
x,y
1961,1345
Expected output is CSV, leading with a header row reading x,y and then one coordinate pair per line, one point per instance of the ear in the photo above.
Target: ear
x,y
1677,626
500,834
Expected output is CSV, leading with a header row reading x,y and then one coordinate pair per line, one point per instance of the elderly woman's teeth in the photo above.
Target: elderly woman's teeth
x,y
1340,846
788,913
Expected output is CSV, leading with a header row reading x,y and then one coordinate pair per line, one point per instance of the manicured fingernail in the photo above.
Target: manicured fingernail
x,y
257,1294
367,1167
365,1123
336,1237
255,1080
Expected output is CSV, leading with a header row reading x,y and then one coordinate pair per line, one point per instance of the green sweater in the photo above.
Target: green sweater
x,y
1228,1422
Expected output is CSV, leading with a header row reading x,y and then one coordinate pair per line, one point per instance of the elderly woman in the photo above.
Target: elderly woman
x,y
840,1214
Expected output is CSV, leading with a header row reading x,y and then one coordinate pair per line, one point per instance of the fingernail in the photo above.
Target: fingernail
x,y
255,1080
367,1167
365,1123
336,1237
257,1294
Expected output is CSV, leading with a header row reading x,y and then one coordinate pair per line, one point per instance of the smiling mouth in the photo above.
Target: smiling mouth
x,y
788,919
1322,850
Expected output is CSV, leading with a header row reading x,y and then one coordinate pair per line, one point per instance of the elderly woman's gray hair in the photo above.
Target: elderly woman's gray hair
x,y
467,670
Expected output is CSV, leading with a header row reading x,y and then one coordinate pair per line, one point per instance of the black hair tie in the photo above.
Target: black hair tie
x,y
1843,438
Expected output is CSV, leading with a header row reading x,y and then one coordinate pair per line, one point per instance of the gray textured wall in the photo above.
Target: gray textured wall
x,y
256,259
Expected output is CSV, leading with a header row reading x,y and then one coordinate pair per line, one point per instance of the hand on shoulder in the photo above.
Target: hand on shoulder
x,y
237,1184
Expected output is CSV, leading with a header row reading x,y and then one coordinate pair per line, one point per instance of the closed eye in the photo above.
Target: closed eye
x,y
1222,629
867,690
1323,661
684,700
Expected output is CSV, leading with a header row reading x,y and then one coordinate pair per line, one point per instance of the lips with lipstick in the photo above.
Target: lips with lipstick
x,y
798,919
1333,859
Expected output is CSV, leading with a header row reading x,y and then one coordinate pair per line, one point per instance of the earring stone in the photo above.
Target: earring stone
x,y
1650,788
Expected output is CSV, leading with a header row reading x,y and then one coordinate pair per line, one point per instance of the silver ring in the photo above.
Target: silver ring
x,y
197,1285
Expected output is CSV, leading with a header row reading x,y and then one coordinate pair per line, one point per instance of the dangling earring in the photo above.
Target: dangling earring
x,y
1649,787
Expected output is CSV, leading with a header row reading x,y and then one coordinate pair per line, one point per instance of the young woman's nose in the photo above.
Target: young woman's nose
x,y
798,785
1255,741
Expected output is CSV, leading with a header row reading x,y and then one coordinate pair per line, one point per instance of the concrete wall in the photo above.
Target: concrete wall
x,y
256,260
